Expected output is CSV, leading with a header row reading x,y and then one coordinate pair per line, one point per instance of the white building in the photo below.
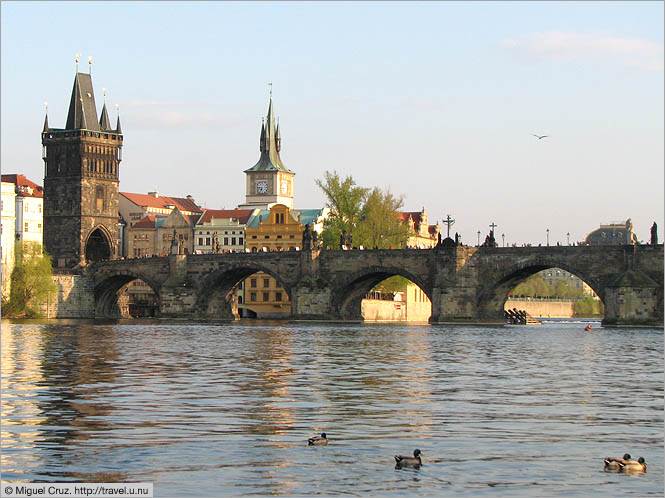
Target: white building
x,y
29,209
226,226
8,211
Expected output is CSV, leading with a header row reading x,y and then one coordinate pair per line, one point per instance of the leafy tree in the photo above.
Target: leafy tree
x,y
31,281
588,307
379,226
345,200
392,284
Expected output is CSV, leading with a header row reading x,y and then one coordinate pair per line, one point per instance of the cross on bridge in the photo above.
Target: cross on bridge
x,y
450,222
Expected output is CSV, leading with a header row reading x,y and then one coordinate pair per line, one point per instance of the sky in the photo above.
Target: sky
x,y
436,102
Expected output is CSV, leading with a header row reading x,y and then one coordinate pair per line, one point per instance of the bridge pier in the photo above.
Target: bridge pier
x,y
633,300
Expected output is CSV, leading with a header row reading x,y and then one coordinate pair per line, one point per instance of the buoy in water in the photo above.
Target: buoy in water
x,y
588,327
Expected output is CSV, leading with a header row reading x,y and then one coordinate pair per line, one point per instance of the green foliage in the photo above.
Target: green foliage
x,y
368,216
536,286
588,307
345,200
393,284
379,226
31,281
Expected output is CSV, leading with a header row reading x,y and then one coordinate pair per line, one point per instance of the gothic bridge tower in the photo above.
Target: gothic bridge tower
x,y
81,165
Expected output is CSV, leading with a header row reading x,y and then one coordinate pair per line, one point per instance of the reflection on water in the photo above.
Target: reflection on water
x,y
514,411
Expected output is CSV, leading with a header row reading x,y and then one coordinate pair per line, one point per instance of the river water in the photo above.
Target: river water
x,y
226,409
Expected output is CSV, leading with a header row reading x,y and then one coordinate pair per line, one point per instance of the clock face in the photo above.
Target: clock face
x,y
284,187
262,187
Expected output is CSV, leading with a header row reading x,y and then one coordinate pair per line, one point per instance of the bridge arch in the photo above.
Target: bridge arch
x,y
109,286
347,295
492,298
215,297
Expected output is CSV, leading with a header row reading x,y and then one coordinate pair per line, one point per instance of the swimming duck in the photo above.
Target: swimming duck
x,y
633,466
612,463
318,440
405,461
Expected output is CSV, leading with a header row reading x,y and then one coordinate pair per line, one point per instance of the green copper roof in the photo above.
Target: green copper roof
x,y
270,145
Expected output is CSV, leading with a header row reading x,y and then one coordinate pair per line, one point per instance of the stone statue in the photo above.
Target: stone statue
x,y
215,243
654,234
315,238
306,238
343,240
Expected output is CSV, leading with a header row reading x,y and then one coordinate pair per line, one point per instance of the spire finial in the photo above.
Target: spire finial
x,y
77,62
90,64
270,85
46,106
104,90
117,107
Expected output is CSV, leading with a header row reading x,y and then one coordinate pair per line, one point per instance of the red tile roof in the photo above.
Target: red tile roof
x,y
160,202
145,222
241,214
24,186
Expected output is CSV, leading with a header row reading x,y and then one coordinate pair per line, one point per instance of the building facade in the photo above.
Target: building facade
x,y
612,234
29,202
422,234
8,231
81,168
221,230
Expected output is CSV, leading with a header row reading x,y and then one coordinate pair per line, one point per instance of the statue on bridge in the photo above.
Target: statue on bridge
x,y
654,234
215,243
490,241
306,238
345,241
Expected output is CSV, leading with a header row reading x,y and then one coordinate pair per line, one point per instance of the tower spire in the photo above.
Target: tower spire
x,y
46,117
117,125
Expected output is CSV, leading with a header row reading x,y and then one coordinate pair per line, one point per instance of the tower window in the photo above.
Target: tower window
x,y
99,198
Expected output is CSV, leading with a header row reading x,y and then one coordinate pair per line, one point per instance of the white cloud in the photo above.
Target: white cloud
x,y
560,45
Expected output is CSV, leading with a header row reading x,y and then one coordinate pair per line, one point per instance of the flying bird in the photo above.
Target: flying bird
x,y
540,136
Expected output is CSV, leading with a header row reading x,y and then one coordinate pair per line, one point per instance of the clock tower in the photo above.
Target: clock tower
x,y
269,181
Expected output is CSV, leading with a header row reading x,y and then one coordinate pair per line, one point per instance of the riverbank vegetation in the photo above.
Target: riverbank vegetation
x,y
31,282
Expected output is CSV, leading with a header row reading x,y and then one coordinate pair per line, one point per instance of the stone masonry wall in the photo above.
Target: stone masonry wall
x,y
75,298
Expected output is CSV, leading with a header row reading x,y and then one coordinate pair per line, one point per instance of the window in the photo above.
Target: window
x,y
266,296
39,208
266,282
252,283
226,241
200,241
25,228
278,296
240,241
252,296
233,241
279,236
253,236
25,208
99,198
267,236
39,227
207,241
239,299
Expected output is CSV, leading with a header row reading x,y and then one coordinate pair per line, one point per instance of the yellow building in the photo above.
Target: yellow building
x,y
276,229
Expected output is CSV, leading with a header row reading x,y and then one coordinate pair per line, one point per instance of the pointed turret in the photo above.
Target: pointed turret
x,y
45,123
82,111
117,125
104,123
270,146
278,137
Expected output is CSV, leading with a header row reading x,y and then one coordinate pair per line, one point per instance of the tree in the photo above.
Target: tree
x,y
31,281
345,200
380,226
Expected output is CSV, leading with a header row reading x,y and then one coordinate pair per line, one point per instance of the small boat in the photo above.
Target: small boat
x,y
588,327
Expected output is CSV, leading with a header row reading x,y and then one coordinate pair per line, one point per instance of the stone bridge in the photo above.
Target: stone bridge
x,y
465,284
